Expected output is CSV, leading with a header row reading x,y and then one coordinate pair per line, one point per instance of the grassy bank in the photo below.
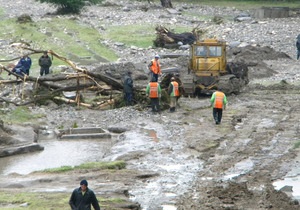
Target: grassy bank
x,y
48,201
20,199
84,44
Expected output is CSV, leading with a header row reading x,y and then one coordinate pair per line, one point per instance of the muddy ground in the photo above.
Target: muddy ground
x,y
183,160
226,166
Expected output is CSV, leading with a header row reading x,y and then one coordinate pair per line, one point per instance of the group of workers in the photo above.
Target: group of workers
x,y
153,91
83,197
23,66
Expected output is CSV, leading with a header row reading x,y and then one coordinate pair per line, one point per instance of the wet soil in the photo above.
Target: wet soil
x,y
183,160
226,166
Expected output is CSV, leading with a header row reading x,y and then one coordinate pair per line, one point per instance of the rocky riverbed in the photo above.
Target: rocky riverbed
x,y
183,160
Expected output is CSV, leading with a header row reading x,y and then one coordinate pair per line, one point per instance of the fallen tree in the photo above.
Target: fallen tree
x,y
53,85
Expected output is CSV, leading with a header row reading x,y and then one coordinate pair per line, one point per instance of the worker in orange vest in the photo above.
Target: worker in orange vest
x,y
154,67
153,91
173,91
218,101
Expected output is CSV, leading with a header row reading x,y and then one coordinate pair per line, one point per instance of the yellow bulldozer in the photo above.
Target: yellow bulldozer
x,y
209,70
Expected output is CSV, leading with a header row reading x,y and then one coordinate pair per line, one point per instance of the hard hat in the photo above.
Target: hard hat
x,y
156,56
172,78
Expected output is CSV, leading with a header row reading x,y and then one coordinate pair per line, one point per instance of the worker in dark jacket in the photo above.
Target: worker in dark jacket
x,y
128,88
23,66
82,198
298,46
45,63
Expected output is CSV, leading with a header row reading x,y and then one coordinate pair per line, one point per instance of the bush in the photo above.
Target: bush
x,y
69,6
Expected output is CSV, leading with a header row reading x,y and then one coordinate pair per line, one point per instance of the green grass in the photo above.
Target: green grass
x,y
82,43
47,200
140,35
91,165
55,200
20,115
60,35
297,145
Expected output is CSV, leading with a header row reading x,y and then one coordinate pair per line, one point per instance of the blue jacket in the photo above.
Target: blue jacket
x,y
25,62
19,69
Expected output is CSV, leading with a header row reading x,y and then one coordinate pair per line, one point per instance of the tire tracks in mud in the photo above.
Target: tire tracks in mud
x,y
245,153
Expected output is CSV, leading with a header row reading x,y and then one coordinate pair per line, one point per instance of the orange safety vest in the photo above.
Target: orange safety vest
x,y
155,68
175,91
153,90
219,99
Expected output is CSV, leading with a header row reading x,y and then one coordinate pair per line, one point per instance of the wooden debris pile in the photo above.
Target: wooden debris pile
x,y
107,92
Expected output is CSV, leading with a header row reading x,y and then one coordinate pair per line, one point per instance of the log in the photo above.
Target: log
x,y
50,82
70,101
106,104
106,79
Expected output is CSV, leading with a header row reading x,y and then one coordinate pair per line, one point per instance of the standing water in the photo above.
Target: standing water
x,y
56,153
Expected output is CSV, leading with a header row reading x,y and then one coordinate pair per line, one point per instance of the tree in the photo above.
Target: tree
x,y
69,6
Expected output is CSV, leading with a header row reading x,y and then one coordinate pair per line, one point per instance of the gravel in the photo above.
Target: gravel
x,y
279,33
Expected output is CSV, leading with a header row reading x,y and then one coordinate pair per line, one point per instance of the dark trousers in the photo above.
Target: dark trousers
x,y
155,104
44,70
128,98
217,114
298,54
154,76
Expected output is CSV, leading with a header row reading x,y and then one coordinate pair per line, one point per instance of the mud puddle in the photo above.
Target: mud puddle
x,y
56,154
159,151
290,183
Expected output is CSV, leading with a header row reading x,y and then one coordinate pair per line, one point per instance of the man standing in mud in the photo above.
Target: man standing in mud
x,y
173,91
82,198
154,67
218,101
128,88
298,46
45,63
153,91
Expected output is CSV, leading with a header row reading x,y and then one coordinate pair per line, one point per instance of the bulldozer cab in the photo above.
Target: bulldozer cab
x,y
208,57
207,63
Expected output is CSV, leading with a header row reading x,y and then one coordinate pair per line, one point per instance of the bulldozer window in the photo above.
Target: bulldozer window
x,y
215,51
200,51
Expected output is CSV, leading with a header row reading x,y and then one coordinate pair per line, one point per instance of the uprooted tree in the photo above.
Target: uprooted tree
x,y
168,39
52,87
